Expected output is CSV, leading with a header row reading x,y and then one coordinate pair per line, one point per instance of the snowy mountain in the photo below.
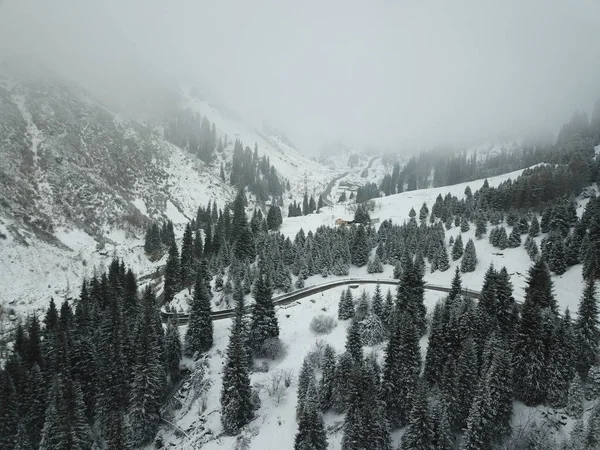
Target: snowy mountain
x,y
79,182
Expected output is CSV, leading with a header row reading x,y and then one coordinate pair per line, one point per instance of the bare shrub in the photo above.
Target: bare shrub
x,y
288,377
272,349
323,324
275,386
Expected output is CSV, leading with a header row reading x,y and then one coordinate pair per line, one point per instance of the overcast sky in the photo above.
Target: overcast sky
x,y
374,72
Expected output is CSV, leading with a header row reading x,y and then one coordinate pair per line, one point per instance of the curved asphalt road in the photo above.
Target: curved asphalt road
x,y
291,297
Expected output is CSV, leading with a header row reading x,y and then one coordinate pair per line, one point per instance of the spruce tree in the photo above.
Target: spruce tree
x,y
172,274
418,434
172,350
442,262
327,381
199,335
514,240
311,429
457,248
346,305
534,227
401,370
575,398
377,303
530,357
464,225
236,393
8,411
480,227
464,385
187,256
360,247
587,330
264,324
354,341
469,260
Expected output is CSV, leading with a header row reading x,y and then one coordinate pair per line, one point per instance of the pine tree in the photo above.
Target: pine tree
x,y
464,384
274,219
575,398
530,357
457,248
442,262
172,350
263,325
480,227
360,247
514,240
419,431
236,393
346,306
353,341
401,370
311,429
587,330
199,335
187,256
305,378
534,227
464,225
377,303
469,260
172,274
327,381
456,286
8,411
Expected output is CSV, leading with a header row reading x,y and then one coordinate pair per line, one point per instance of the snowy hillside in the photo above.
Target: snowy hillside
x,y
568,286
287,160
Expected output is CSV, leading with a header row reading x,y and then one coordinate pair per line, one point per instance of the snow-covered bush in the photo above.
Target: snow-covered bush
x,y
322,324
372,330
272,348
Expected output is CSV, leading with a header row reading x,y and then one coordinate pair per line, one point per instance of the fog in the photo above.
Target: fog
x,y
398,74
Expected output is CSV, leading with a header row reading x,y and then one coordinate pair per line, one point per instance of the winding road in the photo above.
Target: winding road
x,y
291,297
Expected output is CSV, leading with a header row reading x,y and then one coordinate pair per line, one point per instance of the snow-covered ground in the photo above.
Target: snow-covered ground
x,y
275,425
567,287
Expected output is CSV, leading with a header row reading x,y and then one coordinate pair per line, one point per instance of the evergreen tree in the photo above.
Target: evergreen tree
x,y
8,411
263,325
575,398
199,335
534,227
274,219
187,256
480,227
456,286
360,247
172,274
514,240
530,357
469,260
464,384
457,248
311,429
401,370
326,384
418,435
442,262
587,330
545,222
236,393
346,306
464,225
172,350
354,341
377,303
